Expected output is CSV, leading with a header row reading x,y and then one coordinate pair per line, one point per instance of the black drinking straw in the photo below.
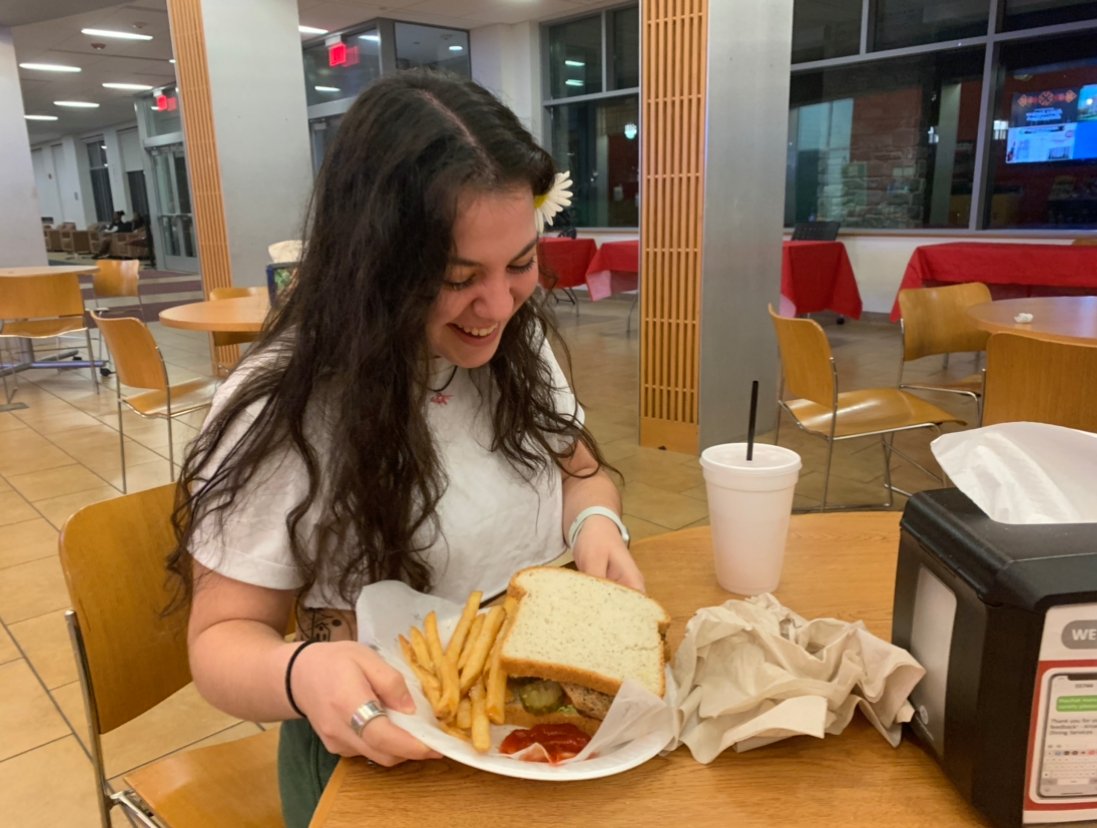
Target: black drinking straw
x,y
753,417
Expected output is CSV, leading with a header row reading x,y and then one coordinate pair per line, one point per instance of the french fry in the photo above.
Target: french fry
x,y
444,669
464,714
470,639
481,728
496,686
432,689
453,730
457,640
477,658
422,651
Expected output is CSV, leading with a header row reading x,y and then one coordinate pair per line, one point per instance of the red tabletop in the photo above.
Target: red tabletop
x,y
566,259
615,268
1039,269
817,276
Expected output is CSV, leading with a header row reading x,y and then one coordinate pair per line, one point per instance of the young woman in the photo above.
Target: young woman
x,y
402,418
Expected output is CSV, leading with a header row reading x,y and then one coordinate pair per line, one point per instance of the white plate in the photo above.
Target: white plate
x,y
617,760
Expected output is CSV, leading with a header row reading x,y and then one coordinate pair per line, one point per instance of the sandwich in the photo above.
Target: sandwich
x,y
571,642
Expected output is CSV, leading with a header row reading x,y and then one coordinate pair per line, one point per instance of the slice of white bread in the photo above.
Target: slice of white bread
x,y
572,627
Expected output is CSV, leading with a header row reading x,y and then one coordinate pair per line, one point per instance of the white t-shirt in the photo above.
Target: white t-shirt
x,y
492,520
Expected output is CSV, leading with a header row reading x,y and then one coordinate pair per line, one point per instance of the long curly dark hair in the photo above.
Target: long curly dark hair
x,y
352,331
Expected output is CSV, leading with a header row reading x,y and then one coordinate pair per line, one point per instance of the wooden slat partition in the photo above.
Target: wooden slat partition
x,y
188,39
674,85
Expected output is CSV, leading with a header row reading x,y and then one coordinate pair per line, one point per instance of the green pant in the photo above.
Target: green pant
x,y
304,768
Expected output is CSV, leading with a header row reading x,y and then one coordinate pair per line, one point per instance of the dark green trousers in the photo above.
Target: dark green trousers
x,y
304,767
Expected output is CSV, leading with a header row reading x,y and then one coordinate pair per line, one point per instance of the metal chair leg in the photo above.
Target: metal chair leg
x,y
826,473
91,361
171,447
121,439
886,446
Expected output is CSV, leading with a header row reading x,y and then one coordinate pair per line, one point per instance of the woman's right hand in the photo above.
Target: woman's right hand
x,y
331,680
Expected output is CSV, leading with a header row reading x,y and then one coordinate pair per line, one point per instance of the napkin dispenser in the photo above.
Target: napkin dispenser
x,y
1004,619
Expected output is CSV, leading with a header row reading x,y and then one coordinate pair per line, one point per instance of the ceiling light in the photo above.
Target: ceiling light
x,y
77,104
456,48
49,67
575,63
119,35
376,38
573,82
40,117
311,30
136,87
327,89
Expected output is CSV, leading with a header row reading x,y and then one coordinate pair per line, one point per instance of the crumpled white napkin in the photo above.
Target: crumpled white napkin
x,y
752,672
286,251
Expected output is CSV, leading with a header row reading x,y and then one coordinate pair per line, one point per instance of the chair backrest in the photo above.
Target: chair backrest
x,y
113,554
134,351
1040,381
806,359
935,319
223,339
41,297
816,230
117,277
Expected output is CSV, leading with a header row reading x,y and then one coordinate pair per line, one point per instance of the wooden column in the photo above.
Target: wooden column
x,y
673,89
196,104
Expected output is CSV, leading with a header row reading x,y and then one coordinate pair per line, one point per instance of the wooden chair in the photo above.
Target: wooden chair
x,y
809,373
44,307
224,339
935,321
140,364
1037,380
116,279
815,230
131,657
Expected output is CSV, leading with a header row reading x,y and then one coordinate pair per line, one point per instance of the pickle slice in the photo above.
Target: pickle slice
x,y
539,697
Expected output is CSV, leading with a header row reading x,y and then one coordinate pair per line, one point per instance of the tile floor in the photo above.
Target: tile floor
x,y
61,453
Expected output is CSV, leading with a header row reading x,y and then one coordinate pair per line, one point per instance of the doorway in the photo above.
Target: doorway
x,y
174,219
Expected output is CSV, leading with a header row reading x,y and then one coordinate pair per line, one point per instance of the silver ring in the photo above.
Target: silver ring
x,y
364,715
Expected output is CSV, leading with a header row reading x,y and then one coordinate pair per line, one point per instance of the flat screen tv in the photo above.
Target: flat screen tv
x,y
1053,125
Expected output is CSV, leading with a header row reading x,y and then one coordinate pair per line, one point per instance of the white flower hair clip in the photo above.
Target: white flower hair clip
x,y
556,199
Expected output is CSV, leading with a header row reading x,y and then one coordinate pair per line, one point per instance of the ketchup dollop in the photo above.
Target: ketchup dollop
x,y
560,741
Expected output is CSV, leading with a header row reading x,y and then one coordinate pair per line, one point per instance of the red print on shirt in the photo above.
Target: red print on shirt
x,y
441,399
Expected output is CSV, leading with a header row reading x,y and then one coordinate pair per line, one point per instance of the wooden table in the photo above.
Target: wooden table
x,y
838,564
46,270
1062,318
243,314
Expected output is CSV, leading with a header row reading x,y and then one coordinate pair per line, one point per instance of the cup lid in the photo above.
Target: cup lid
x,y
767,459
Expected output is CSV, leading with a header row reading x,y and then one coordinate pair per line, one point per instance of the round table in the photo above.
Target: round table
x,y
1062,318
243,314
46,270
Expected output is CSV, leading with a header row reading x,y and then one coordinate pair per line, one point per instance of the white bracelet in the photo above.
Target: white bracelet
x,y
590,511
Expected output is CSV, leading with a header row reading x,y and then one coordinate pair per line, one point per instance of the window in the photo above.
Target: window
x,y
825,29
100,179
343,71
885,144
1043,153
892,142
911,22
432,47
593,108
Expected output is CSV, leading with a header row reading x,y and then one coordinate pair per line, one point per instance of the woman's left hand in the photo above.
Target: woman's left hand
x,y
599,550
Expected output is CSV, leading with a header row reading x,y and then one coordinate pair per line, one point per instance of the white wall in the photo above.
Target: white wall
x,y
119,194
21,240
507,60
45,179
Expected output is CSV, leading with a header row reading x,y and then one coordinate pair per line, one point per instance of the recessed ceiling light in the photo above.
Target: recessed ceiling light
x,y
77,104
576,63
376,38
456,48
327,89
50,67
119,35
40,117
311,30
136,87
573,82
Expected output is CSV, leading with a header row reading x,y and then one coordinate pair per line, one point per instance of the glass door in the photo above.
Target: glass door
x,y
175,222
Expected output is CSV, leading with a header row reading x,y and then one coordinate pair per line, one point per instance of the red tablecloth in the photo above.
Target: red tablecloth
x,y
566,259
1038,269
615,268
817,276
